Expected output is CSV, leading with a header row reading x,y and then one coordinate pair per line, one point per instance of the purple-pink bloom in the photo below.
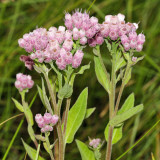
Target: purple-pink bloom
x,y
46,122
23,82
95,142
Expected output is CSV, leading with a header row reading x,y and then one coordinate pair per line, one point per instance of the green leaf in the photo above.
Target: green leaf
x,y
76,116
45,146
128,76
81,71
89,112
83,68
18,105
97,154
129,103
126,115
86,153
120,63
65,92
44,98
108,45
40,137
31,152
28,114
101,75
31,133
117,133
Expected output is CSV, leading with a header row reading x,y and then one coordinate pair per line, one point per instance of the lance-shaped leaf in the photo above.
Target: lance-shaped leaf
x,y
117,133
101,75
28,114
18,105
76,116
89,112
65,92
86,153
44,98
129,103
120,63
81,71
118,119
128,76
31,133
31,152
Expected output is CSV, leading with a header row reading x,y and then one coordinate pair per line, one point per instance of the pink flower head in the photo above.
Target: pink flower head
x,y
54,119
83,40
132,35
99,40
134,59
47,128
67,45
61,63
105,30
95,142
141,38
23,82
34,40
133,44
121,17
27,61
124,39
139,47
80,22
126,46
113,35
77,59
68,34
47,118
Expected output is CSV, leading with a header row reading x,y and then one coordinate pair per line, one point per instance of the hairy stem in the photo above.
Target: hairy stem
x,y
60,133
25,105
111,107
66,115
56,147
48,145
53,99
122,88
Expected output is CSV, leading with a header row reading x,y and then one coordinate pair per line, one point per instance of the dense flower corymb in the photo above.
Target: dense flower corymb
x,y
46,122
82,25
95,142
23,82
52,45
116,28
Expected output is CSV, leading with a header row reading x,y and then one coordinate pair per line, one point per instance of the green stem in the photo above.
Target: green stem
x,y
66,115
25,105
111,107
122,87
48,146
53,99
101,61
60,133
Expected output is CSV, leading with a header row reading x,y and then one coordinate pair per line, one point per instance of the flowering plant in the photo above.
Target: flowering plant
x,y
59,52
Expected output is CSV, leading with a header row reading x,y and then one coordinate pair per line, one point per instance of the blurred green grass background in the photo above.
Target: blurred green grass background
x,y
20,16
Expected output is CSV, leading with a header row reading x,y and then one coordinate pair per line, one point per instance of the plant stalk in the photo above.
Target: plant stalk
x,y
48,145
53,99
122,88
60,133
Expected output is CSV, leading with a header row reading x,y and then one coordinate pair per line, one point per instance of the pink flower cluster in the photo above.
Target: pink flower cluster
x,y
34,40
46,122
57,46
133,41
115,27
95,142
82,25
23,82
